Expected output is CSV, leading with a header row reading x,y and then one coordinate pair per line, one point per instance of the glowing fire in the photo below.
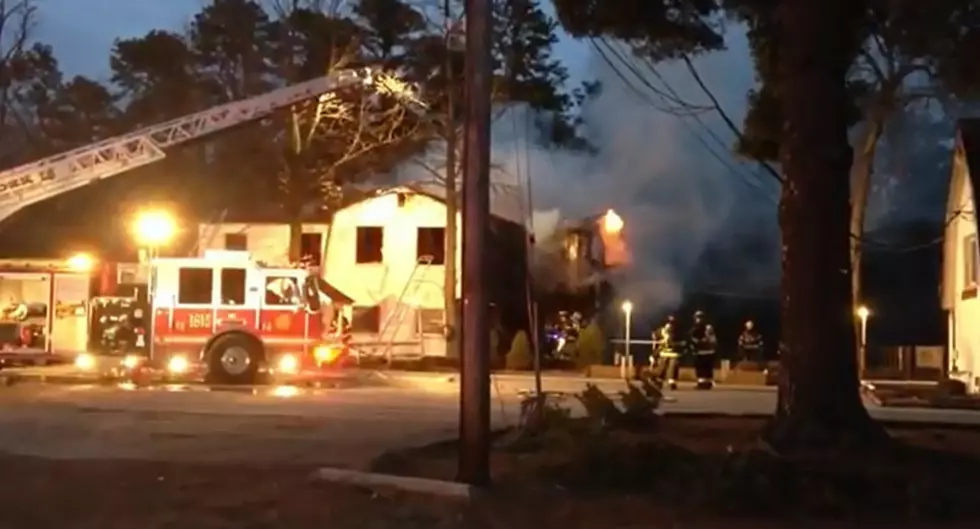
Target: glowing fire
x,y
612,222
615,251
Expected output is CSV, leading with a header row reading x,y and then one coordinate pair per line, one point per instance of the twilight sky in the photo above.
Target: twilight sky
x,y
82,31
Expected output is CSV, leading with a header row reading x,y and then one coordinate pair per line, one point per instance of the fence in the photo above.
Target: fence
x,y
905,362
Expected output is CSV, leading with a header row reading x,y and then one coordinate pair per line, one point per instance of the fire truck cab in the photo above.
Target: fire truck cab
x,y
229,318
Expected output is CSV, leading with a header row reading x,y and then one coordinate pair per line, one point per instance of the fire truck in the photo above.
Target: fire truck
x,y
231,338
226,318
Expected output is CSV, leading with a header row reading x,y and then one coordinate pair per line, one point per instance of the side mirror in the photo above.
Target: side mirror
x,y
312,293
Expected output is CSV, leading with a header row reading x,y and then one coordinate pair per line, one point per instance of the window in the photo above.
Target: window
x,y
233,286
366,319
432,243
236,241
281,291
311,247
971,262
431,321
195,286
370,239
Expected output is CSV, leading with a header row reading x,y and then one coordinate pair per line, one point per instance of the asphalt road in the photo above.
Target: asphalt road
x,y
345,427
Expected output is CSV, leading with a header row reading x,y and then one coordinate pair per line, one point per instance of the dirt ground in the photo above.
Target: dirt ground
x,y
106,494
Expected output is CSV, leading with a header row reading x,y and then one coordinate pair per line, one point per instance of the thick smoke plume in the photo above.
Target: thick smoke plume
x,y
677,199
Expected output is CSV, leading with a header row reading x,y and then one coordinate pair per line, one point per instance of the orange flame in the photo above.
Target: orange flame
x,y
612,223
615,252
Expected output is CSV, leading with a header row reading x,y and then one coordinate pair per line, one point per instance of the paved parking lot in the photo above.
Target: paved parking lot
x,y
341,425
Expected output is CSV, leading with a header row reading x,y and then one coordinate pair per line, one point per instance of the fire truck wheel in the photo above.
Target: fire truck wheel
x,y
235,359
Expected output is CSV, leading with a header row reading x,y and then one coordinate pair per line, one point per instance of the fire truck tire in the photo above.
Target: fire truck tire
x,y
235,359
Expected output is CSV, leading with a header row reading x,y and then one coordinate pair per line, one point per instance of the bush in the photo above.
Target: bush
x,y
590,346
519,357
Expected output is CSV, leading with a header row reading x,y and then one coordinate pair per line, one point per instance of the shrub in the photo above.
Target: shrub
x,y
590,346
519,357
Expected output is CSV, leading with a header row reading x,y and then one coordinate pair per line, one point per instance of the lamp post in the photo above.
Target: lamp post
x,y
863,313
81,262
153,229
627,363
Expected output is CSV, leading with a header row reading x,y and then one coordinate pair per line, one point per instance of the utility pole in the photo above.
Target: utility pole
x,y
452,195
474,409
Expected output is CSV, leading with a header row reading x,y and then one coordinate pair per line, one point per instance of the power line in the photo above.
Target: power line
x,y
670,94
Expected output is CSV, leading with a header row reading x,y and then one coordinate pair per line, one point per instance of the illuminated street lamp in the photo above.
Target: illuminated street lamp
x,y
154,229
81,262
627,358
863,313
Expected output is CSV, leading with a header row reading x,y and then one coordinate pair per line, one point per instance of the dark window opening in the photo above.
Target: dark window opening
x,y
195,286
431,321
236,241
233,286
311,248
366,319
432,243
370,240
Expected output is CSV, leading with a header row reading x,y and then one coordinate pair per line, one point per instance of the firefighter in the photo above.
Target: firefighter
x,y
750,346
702,344
668,352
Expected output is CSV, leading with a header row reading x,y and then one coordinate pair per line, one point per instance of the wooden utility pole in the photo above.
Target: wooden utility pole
x,y
474,409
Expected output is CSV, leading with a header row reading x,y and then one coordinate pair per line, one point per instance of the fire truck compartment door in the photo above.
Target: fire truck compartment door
x,y
69,328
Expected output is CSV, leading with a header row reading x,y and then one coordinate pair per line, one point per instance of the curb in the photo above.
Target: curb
x,y
10,379
16,379
412,376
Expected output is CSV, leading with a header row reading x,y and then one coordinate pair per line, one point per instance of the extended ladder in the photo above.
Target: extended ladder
x,y
43,179
396,317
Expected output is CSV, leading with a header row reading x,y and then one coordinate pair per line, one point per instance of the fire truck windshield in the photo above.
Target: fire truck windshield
x,y
282,291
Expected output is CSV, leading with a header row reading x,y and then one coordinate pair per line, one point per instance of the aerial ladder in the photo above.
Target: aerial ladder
x,y
37,181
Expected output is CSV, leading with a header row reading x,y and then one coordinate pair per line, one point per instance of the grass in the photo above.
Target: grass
x,y
692,472
714,468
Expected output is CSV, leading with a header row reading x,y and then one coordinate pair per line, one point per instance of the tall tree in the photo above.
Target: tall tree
x,y
525,72
17,67
804,49
344,135
911,54
232,42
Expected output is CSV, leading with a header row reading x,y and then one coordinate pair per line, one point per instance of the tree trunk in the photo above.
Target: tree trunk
x,y
819,406
452,206
452,209
295,241
861,174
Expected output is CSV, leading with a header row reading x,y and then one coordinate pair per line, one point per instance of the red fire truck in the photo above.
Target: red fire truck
x,y
226,318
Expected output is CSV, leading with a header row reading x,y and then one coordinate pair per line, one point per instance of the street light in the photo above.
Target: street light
x,y
81,262
863,313
154,228
627,358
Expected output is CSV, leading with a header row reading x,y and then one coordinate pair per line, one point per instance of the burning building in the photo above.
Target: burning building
x,y
580,254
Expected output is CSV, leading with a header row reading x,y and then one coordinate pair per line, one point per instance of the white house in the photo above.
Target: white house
x,y
386,252
961,273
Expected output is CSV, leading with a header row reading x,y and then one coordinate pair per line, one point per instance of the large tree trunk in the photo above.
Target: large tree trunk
x,y
295,240
819,405
861,174
449,281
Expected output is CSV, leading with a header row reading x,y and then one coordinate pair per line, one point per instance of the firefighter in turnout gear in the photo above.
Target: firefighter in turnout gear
x,y
667,352
750,346
703,343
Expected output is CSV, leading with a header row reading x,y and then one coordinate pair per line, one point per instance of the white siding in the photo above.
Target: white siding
x,y
383,283
964,335
268,243
371,284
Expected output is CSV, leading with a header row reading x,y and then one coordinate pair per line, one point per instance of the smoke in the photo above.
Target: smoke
x,y
677,199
